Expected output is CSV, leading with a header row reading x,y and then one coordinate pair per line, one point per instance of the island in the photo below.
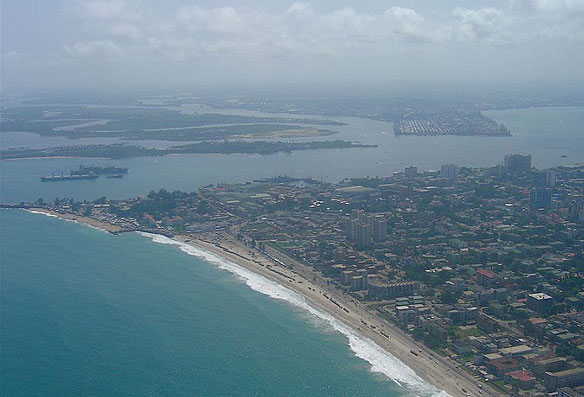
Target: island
x,y
121,150
138,123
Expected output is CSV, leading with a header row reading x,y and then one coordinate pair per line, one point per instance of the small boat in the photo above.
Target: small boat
x,y
564,156
115,176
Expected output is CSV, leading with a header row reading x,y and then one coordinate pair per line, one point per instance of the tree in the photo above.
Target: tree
x,y
447,297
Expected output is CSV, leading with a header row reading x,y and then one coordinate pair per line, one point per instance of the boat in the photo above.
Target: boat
x,y
92,169
115,176
56,178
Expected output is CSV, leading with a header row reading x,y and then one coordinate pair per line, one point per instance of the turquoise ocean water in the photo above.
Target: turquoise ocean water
x,y
88,313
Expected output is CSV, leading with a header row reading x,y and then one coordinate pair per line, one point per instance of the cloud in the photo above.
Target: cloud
x,y
126,30
301,11
12,56
405,14
90,48
301,30
109,9
559,6
223,20
143,34
407,24
487,25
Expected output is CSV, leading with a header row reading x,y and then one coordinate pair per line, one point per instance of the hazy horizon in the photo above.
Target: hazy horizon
x,y
141,44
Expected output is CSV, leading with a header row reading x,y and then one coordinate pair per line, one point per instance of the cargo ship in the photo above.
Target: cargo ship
x,y
72,177
96,170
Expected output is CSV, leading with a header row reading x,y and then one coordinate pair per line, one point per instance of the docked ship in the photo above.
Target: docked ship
x,y
96,170
72,177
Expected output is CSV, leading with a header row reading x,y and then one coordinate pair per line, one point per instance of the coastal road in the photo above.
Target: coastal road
x,y
431,361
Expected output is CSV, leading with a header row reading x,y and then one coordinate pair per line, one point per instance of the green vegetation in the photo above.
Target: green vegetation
x,y
118,151
76,122
459,333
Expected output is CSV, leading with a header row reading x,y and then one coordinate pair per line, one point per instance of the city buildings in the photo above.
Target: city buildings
x,y
517,162
540,198
411,171
539,302
449,171
469,267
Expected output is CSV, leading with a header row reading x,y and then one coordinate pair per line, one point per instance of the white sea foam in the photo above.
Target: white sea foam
x,y
364,348
42,213
65,219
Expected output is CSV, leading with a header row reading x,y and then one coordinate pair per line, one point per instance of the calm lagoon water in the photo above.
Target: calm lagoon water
x,y
546,133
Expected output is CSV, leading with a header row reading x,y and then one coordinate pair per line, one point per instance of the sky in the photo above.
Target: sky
x,y
125,44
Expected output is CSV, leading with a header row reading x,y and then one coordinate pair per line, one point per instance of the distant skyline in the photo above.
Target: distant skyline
x,y
129,44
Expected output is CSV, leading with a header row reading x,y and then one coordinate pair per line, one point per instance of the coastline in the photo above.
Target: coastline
x,y
56,157
312,288
97,224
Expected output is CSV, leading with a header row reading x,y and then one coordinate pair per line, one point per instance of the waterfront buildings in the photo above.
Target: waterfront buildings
x,y
449,171
411,171
517,162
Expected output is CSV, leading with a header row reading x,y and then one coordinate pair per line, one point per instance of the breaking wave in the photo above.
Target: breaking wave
x,y
65,219
364,348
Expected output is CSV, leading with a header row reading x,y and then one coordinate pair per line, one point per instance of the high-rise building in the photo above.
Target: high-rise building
x,y
363,228
350,229
540,198
517,162
411,171
379,228
576,210
449,171
363,235
544,178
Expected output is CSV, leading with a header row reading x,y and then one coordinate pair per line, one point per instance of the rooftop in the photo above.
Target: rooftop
x,y
540,296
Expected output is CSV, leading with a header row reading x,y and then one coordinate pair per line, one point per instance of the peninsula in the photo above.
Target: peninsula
x,y
448,122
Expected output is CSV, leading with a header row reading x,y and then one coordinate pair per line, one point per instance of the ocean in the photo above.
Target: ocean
x,y
89,313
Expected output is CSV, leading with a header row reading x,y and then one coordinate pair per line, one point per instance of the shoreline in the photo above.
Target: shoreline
x,y
56,157
425,365
97,224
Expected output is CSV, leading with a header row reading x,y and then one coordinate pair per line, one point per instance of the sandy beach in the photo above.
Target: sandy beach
x,y
81,219
432,368
429,366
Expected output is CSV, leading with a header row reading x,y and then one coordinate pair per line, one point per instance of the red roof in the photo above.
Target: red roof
x,y
537,320
524,376
486,273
